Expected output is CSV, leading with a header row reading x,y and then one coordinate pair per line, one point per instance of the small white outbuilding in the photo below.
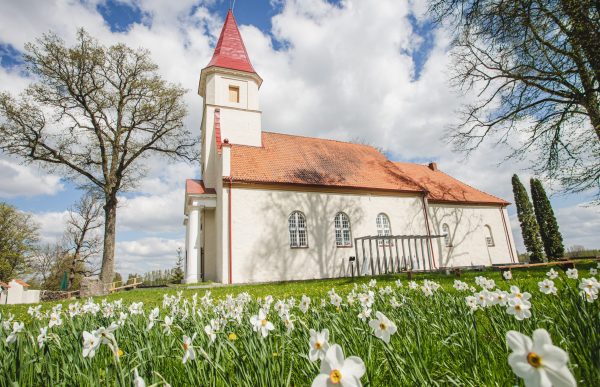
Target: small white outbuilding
x,y
18,292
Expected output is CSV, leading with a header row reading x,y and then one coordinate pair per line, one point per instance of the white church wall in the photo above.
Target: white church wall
x,y
209,149
467,235
261,245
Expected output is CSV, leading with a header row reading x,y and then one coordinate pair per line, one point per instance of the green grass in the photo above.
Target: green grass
x,y
438,341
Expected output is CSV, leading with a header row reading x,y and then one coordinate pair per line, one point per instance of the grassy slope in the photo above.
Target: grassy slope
x,y
312,288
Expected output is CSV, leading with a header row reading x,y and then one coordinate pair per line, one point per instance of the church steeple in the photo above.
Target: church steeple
x,y
230,52
229,86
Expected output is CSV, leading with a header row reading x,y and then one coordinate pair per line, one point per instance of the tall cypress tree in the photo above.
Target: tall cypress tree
x,y
529,226
551,236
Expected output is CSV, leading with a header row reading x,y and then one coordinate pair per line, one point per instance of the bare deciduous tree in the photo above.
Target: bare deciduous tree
x,y
83,242
536,67
95,113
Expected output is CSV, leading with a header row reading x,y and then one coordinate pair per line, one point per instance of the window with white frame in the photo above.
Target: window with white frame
x,y
297,227
446,234
489,238
343,235
383,227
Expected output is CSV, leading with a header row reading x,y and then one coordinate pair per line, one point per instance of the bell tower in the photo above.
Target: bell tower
x,y
229,86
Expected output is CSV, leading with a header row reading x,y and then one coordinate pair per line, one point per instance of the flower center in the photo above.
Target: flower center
x,y
185,346
382,326
335,376
534,359
518,307
263,322
318,345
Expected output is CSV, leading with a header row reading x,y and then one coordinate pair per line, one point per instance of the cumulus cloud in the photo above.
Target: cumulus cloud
x,y
23,180
146,254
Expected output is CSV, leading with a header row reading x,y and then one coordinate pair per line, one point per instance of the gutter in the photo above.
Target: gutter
x,y
510,249
230,231
426,211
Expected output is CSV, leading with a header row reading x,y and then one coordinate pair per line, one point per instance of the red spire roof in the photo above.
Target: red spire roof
x,y
230,51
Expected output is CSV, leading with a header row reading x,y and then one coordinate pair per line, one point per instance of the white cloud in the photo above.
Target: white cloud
x,y
147,254
51,225
26,180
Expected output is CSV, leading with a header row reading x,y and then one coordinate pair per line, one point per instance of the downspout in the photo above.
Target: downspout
x,y
510,249
230,228
426,211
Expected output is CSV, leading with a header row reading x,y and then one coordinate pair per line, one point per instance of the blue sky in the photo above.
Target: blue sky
x,y
384,55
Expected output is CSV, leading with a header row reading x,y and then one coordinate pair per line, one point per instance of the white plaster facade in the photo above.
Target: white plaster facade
x,y
17,293
238,233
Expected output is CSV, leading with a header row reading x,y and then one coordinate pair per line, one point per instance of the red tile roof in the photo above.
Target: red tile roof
x,y
291,159
196,187
21,282
444,188
230,51
288,159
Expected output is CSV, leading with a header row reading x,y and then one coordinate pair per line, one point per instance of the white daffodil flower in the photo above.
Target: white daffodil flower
x,y
591,284
17,328
107,337
519,308
572,273
372,283
91,342
42,337
261,324
167,325
413,285
515,292
188,350
507,275
336,370
55,320
547,286
364,314
383,328
593,271
589,295
318,344
398,283
483,298
152,317
471,302
304,304
210,330
552,274
538,361
137,379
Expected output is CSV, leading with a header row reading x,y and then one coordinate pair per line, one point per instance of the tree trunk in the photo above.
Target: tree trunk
x,y
107,272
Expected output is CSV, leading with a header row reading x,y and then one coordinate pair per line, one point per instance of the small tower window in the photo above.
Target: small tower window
x,y
489,238
234,94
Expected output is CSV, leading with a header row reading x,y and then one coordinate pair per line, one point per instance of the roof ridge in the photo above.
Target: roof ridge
x,y
452,177
324,139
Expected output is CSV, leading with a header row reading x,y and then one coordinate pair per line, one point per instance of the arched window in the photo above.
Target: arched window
x,y
489,238
297,227
343,235
383,227
446,234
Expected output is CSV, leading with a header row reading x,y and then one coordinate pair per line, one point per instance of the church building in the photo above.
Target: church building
x,y
277,207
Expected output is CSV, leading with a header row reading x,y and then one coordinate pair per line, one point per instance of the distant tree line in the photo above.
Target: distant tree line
x,y
60,265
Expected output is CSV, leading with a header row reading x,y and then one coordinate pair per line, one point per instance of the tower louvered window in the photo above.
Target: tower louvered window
x,y
297,228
